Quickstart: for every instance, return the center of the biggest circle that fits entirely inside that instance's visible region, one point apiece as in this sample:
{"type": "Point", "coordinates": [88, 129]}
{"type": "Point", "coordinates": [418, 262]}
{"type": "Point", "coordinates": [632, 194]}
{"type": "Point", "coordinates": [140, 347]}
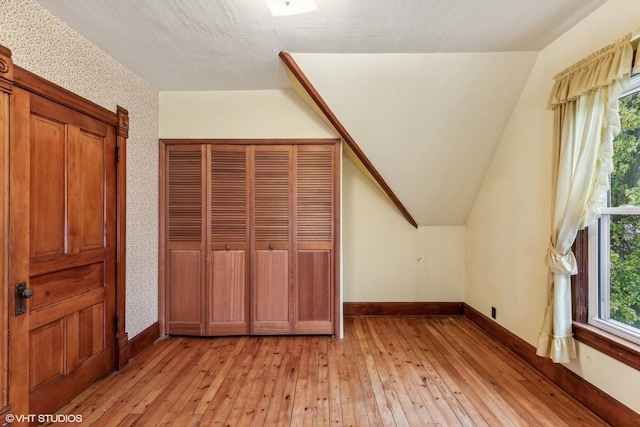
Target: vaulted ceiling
{"type": "Point", "coordinates": [425, 87]}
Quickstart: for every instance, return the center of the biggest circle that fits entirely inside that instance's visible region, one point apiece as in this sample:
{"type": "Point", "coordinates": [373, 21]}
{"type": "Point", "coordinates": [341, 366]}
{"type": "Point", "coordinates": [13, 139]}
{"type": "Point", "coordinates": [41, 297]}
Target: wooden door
{"type": "Point", "coordinates": [185, 269]}
{"type": "Point", "coordinates": [228, 296]}
{"type": "Point", "coordinates": [315, 201]}
{"type": "Point", "coordinates": [249, 237]}
{"type": "Point", "coordinates": [271, 285]}
{"type": "Point", "coordinates": [63, 248]}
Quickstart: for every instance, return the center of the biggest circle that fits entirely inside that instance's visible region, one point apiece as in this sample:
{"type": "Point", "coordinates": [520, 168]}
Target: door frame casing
{"type": "Point", "coordinates": [15, 269]}
{"type": "Point", "coordinates": [6, 88]}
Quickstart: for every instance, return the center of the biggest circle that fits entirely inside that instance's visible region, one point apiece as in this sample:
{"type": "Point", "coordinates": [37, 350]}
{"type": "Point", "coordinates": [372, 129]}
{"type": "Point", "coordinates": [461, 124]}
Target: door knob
{"type": "Point", "coordinates": [22, 294]}
{"type": "Point", "coordinates": [271, 246]}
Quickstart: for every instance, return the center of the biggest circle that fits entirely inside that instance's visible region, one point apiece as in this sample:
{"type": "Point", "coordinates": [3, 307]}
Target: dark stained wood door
{"type": "Point", "coordinates": [63, 247]}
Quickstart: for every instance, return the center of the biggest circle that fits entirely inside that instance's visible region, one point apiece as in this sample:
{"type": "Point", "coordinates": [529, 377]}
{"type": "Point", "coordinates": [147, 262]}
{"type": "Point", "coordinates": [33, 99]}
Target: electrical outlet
{"type": "Point", "coordinates": [493, 312]}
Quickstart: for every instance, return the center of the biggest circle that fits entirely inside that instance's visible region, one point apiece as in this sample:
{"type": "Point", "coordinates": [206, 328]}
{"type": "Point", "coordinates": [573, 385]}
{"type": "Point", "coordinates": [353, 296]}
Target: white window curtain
{"type": "Point", "coordinates": [585, 103]}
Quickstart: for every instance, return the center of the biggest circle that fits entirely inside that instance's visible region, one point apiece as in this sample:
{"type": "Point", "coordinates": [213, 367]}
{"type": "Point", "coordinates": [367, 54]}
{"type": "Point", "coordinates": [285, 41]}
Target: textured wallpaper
{"type": "Point", "coordinates": [46, 46]}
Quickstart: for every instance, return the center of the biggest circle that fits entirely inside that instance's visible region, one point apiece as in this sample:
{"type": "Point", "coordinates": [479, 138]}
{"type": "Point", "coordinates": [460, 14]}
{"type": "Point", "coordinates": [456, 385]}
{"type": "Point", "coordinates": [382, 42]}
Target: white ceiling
{"type": "Point", "coordinates": [233, 44]}
{"type": "Point", "coordinates": [409, 79]}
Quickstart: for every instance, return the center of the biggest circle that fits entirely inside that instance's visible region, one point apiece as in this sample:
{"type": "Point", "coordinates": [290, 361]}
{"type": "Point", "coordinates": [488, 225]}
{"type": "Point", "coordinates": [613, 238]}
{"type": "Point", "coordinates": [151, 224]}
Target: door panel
{"type": "Point", "coordinates": [272, 194]}
{"type": "Point", "coordinates": [271, 287]}
{"type": "Point", "coordinates": [184, 291]}
{"type": "Point", "coordinates": [90, 333]}
{"type": "Point", "coordinates": [48, 198]}
{"type": "Point", "coordinates": [314, 297]}
{"type": "Point", "coordinates": [61, 204]}
{"type": "Point", "coordinates": [44, 346]}
{"type": "Point", "coordinates": [229, 206]}
{"type": "Point", "coordinates": [227, 294]}
{"type": "Point", "coordinates": [271, 292]}
{"type": "Point", "coordinates": [315, 199]}
{"type": "Point", "coordinates": [90, 173]}
{"type": "Point", "coordinates": [185, 311]}
{"type": "Point", "coordinates": [229, 213]}
{"type": "Point", "coordinates": [185, 194]}
{"type": "Point", "coordinates": [60, 286]}
{"type": "Point", "coordinates": [314, 193]}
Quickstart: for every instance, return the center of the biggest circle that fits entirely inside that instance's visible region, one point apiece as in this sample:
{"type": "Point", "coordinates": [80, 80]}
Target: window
{"type": "Point", "coordinates": [614, 240]}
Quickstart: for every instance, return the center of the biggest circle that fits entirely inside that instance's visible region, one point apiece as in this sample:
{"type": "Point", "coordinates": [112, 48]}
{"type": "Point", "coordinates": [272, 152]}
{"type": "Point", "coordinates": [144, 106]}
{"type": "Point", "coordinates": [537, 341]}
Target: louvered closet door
{"type": "Point", "coordinates": [228, 302]}
{"type": "Point", "coordinates": [271, 292]}
{"type": "Point", "coordinates": [185, 244]}
{"type": "Point", "coordinates": [314, 234]}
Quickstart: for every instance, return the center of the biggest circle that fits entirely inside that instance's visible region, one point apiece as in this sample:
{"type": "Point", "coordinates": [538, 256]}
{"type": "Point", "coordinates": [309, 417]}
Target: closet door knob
{"type": "Point", "coordinates": [271, 246]}
{"type": "Point", "coordinates": [227, 248]}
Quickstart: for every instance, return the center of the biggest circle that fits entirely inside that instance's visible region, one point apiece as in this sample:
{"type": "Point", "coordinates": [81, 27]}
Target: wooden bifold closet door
{"type": "Point", "coordinates": [271, 290]}
{"type": "Point", "coordinates": [250, 238]}
{"type": "Point", "coordinates": [314, 238]}
{"type": "Point", "coordinates": [228, 204]}
{"type": "Point", "coordinates": [185, 269]}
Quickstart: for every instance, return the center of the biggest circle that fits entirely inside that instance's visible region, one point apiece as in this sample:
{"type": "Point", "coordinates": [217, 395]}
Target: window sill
{"type": "Point", "coordinates": [609, 344]}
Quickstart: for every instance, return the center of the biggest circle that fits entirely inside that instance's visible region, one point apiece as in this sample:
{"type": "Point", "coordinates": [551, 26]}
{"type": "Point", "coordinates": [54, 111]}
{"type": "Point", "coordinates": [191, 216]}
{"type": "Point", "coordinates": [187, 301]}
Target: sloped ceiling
{"type": "Point", "coordinates": [428, 122]}
{"type": "Point", "coordinates": [425, 87]}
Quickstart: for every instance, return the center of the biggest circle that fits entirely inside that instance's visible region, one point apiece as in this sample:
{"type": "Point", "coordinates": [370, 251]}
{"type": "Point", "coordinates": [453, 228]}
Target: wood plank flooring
{"type": "Point", "coordinates": [407, 371]}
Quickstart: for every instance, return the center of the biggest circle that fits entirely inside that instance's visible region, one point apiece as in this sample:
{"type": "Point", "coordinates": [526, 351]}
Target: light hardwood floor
{"type": "Point", "coordinates": [411, 371]}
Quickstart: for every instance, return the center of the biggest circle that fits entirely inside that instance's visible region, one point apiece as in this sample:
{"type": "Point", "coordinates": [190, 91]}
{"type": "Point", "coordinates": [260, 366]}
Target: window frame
{"type": "Point", "coordinates": [588, 327]}
{"type": "Point", "coordinates": [599, 274]}
{"type": "Point", "coordinates": [612, 345]}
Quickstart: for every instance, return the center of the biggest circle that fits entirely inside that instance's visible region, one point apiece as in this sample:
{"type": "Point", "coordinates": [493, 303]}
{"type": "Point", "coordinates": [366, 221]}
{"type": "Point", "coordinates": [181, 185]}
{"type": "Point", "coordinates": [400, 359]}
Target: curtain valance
{"type": "Point", "coordinates": [597, 70]}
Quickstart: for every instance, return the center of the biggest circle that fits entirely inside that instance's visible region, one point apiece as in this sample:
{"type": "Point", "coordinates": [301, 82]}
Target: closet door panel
{"type": "Point", "coordinates": [184, 292]}
{"type": "Point", "coordinates": [314, 194]}
{"type": "Point", "coordinates": [229, 195]}
{"type": "Point", "coordinates": [314, 236]}
{"type": "Point", "coordinates": [185, 247]}
{"type": "Point", "coordinates": [228, 296]}
{"type": "Point", "coordinates": [314, 295]}
{"type": "Point", "coordinates": [271, 287]}
{"type": "Point", "coordinates": [228, 303]}
{"type": "Point", "coordinates": [272, 194]}
{"type": "Point", "coordinates": [271, 292]}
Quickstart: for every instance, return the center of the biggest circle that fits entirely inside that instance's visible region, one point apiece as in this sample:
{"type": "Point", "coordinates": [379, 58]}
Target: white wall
{"type": "Point", "coordinates": [238, 114]}
{"type": "Point", "coordinates": [509, 225]}
{"type": "Point", "coordinates": [441, 263]}
{"type": "Point", "coordinates": [46, 46]}
{"type": "Point", "coordinates": [386, 259]}
{"type": "Point", "coordinates": [380, 248]}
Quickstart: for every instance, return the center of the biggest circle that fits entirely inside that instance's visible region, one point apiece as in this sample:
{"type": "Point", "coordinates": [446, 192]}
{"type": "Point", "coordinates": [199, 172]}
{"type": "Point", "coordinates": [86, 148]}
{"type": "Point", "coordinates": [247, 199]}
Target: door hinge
{"type": "Point", "coordinates": [117, 323]}
{"type": "Point", "coordinates": [117, 154]}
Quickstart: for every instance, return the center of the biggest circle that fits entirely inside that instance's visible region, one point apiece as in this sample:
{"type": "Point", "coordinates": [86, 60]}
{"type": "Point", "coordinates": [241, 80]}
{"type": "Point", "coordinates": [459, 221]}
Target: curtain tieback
{"type": "Point", "coordinates": [561, 263]}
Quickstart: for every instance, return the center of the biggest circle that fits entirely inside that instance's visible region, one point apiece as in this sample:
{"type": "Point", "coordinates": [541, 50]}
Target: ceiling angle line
{"type": "Point", "coordinates": [293, 67]}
